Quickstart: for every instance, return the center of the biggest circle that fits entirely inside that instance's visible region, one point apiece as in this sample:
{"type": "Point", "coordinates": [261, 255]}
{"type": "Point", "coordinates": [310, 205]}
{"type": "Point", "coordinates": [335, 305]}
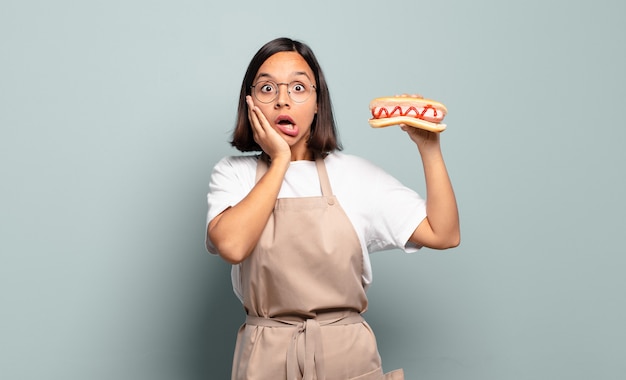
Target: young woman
{"type": "Point", "coordinates": [299, 220]}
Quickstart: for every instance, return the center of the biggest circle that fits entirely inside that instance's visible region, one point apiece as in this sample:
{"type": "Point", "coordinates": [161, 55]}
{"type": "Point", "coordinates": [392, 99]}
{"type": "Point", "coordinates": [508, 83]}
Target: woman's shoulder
{"type": "Point", "coordinates": [237, 162]}
{"type": "Point", "coordinates": [240, 169]}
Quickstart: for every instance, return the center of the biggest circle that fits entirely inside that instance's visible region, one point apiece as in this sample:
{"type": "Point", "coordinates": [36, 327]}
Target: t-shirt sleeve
{"type": "Point", "coordinates": [396, 213]}
{"type": "Point", "coordinates": [230, 181]}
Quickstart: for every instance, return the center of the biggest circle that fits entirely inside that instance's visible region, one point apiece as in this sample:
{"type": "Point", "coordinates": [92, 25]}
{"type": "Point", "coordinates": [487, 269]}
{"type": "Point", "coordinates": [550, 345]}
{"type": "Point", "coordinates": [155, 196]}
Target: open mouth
{"type": "Point", "coordinates": [286, 125]}
{"type": "Point", "coordinates": [284, 120]}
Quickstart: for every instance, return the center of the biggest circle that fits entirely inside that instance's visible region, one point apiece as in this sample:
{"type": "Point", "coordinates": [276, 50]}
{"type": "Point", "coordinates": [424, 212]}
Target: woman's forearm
{"type": "Point", "coordinates": [441, 229]}
{"type": "Point", "coordinates": [236, 231]}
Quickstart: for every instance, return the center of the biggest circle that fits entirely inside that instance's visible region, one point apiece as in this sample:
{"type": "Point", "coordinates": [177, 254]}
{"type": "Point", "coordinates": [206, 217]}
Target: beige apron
{"type": "Point", "coordinates": [303, 294]}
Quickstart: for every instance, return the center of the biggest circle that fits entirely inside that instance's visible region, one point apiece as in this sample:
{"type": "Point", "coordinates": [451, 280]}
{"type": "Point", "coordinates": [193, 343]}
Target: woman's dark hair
{"type": "Point", "coordinates": [323, 138]}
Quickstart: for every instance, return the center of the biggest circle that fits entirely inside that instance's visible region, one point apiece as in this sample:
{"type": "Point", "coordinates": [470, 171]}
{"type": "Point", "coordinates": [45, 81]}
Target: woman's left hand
{"type": "Point", "coordinates": [421, 137]}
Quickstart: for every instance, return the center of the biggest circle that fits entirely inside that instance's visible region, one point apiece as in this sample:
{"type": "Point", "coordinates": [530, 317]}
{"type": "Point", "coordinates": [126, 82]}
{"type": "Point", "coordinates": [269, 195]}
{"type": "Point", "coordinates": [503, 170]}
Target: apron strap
{"type": "Point", "coordinates": [323, 174]}
{"type": "Point", "coordinates": [261, 168]}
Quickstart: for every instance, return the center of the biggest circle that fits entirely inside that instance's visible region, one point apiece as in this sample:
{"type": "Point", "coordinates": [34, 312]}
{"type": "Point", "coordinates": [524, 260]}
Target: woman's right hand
{"type": "Point", "coordinates": [236, 231]}
{"type": "Point", "coordinates": [268, 139]}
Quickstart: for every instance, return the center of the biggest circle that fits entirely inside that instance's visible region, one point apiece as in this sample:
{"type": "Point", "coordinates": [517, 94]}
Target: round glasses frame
{"type": "Point", "coordinates": [276, 87]}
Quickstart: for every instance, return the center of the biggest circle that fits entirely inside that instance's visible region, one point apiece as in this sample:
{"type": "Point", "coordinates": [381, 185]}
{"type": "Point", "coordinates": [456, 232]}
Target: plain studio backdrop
{"type": "Point", "coordinates": [113, 113]}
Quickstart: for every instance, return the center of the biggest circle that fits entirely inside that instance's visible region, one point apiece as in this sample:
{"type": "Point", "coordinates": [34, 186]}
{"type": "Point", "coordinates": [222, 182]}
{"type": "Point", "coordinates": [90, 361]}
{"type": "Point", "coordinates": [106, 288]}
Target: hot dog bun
{"type": "Point", "coordinates": [415, 111]}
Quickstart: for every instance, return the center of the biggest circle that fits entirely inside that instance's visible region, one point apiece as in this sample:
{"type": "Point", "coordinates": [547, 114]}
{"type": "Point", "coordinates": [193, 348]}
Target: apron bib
{"type": "Point", "coordinates": [303, 295]}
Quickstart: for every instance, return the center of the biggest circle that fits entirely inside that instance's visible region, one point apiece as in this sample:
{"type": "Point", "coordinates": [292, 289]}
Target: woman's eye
{"type": "Point", "coordinates": [267, 88]}
{"type": "Point", "coordinates": [298, 87]}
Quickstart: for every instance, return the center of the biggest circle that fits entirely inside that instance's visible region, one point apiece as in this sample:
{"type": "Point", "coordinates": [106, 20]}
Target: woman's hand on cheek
{"type": "Point", "coordinates": [268, 139]}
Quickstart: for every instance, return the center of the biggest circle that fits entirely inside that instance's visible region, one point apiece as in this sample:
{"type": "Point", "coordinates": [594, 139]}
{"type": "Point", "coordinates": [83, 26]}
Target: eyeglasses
{"type": "Point", "coordinates": [267, 91]}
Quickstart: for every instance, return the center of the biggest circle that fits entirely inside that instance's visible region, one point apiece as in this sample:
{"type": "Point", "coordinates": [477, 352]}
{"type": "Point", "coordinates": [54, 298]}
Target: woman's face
{"type": "Point", "coordinates": [288, 71]}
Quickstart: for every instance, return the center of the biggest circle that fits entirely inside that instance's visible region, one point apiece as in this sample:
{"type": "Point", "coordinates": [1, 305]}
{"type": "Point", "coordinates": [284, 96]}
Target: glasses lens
{"type": "Point", "coordinates": [299, 92]}
{"type": "Point", "coordinates": [267, 91]}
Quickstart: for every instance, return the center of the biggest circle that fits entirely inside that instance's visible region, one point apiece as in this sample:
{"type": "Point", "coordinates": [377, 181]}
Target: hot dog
{"type": "Point", "coordinates": [415, 111]}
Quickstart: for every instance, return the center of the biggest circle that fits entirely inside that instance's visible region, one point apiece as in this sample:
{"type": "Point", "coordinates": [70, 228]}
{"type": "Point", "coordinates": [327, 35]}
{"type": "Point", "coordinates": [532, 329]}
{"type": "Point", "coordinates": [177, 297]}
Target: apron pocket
{"type": "Point", "coordinates": [377, 374]}
{"type": "Point", "coordinates": [398, 374]}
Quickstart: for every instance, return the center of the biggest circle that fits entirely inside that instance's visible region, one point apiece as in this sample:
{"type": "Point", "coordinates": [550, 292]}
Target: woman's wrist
{"type": "Point", "coordinates": [281, 161]}
{"type": "Point", "coordinates": [429, 149]}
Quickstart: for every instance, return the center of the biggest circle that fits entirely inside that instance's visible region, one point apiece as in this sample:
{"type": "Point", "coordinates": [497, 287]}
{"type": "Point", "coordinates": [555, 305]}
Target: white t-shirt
{"type": "Point", "coordinates": [384, 212]}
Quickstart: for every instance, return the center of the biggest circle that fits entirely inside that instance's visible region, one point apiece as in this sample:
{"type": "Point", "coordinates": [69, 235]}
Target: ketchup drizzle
{"type": "Point", "coordinates": [398, 109]}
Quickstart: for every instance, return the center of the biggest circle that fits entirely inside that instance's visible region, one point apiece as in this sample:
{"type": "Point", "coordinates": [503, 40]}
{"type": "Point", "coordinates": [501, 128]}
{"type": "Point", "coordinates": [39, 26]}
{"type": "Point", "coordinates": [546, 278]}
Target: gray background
{"type": "Point", "coordinates": [113, 113]}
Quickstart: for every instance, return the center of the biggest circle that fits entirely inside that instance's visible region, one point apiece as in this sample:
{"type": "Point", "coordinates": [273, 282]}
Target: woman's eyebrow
{"type": "Point", "coordinates": [295, 74]}
{"type": "Point", "coordinates": [264, 75]}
